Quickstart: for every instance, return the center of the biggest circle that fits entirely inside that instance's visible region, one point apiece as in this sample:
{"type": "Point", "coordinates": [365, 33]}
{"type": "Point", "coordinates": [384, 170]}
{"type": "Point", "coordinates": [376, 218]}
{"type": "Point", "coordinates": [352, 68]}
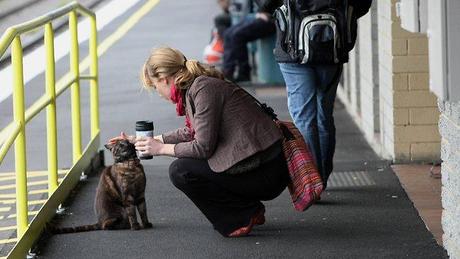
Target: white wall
{"type": "Point", "coordinates": [449, 127]}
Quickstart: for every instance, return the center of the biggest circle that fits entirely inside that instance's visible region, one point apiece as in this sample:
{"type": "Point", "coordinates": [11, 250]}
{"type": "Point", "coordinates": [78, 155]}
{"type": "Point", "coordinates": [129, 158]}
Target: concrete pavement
{"type": "Point", "coordinates": [364, 214]}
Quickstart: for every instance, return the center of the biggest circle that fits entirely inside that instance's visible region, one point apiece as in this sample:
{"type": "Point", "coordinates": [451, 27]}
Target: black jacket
{"type": "Point", "coordinates": [359, 7]}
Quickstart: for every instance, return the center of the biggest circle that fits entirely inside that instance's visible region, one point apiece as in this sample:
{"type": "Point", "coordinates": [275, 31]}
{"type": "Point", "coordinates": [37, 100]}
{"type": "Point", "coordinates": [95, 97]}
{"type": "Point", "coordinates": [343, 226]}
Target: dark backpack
{"type": "Point", "coordinates": [317, 31]}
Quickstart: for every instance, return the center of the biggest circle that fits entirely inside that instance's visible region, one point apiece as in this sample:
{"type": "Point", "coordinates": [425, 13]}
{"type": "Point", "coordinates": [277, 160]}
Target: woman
{"type": "Point", "coordinates": [229, 153]}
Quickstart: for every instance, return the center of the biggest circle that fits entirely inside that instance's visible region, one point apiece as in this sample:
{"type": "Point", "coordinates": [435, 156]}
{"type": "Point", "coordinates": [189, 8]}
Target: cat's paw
{"type": "Point", "coordinates": [147, 225]}
{"type": "Point", "coordinates": [135, 226]}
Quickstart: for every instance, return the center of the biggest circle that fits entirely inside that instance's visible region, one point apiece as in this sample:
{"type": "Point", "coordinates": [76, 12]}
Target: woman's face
{"type": "Point", "coordinates": [162, 85]}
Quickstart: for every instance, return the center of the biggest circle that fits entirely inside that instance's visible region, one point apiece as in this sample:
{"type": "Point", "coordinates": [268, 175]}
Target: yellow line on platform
{"type": "Point", "coordinates": [4, 209]}
{"type": "Point", "coordinates": [13, 201]}
{"type": "Point", "coordinates": [9, 201]}
{"type": "Point", "coordinates": [30, 183]}
{"type": "Point", "coordinates": [125, 27]}
{"type": "Point", "coordinates": [13, 195]}
{"type": "Point", "coordinates": [31, 213]}
{"type": "Point", "coordinates": [6, 241]}
{"type": "Point", "coordinates": [13, 186]}
{"type": "Point", "coordinates": [8, 228]}
{"type": "Point", "coordinates": [12, 176]}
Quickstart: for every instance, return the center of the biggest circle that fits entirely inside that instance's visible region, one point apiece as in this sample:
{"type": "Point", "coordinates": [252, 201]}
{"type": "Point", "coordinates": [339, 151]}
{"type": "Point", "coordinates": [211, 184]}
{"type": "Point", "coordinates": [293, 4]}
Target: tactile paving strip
{"type": "Point", "coordinates": [350, 179]}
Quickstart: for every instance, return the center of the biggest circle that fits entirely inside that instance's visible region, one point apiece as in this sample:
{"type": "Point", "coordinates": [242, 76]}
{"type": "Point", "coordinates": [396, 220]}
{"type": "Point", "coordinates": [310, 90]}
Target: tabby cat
{"type": "Point", "coordinates": [121, 189]}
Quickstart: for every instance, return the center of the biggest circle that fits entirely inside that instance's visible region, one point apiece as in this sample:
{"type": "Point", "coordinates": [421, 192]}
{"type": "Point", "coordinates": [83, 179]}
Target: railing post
{"type": "Point", "coordinates": [75, 70]}
{"type": "Point", "coordinates": [94, 84]}
{"type": "Point", "coordinates": [20, 143]}
{"type": "Point", "coordinates": [51, 110]}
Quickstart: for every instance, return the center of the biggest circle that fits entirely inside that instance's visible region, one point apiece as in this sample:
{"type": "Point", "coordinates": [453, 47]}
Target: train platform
{"type": "Point", "coordinates": [364, 213]}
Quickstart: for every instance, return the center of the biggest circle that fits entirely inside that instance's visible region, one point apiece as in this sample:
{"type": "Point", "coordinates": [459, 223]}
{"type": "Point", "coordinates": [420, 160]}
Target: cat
{"type": "Point", "coordinates": [121, 189]}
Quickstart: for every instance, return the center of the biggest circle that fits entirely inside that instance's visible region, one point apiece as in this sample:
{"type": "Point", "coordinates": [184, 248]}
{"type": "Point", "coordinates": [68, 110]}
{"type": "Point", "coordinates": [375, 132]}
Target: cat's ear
{"type": "Point", "coordinates": [109, 146]}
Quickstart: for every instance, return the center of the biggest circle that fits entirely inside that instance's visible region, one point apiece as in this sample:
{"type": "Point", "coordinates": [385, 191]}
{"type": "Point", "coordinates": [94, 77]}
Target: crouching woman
{"type": "Point", "coordinates": [229, 154]}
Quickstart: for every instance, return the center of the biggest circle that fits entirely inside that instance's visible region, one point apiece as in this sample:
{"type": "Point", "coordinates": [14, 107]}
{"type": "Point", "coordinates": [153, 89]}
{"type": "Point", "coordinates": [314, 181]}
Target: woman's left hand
{"type": "Point", "coordinates": [122, 136]}
{"type": "Point", "coordinates": [149, 146]}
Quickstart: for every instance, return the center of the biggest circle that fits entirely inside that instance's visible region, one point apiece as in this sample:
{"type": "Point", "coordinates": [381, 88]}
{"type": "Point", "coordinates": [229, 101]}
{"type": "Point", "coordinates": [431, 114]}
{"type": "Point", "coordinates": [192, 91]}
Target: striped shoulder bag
{"type": "Point", "coordinates": [306, 184]}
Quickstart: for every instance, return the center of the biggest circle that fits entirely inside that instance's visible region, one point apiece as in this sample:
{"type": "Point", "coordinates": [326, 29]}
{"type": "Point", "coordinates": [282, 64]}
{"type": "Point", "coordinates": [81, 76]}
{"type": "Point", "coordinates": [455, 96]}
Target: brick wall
{"type": "Point", "coordinates": [449, 127]}
{"type": "Point", "coordinates": [415, 107]}
{"type": "Point", "coordinates": [396, 80]}
{"type": "Point", "coordinates": [406, 120]}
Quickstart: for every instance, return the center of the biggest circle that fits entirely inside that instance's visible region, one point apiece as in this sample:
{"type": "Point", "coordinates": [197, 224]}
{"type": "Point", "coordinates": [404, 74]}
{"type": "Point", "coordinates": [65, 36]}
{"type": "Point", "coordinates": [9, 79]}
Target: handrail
{"type": "Point", "coordinates": [33, 110]}
{"type": "Point", "coordinates": [27, 232]}
{"type": "Point", "coordinates": [13, 133]}
{"type": "Point", "coordinates": [18, 29]}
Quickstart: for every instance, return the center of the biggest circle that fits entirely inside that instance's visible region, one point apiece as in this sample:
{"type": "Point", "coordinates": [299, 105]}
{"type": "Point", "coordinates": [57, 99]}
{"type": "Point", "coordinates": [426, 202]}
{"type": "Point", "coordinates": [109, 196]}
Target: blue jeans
{"type": "Point", "coordinates": [311, 93]}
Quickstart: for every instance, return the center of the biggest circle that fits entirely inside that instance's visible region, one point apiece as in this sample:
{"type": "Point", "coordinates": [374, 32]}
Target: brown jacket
{"type": "Point", "coordinates": [229, 126]}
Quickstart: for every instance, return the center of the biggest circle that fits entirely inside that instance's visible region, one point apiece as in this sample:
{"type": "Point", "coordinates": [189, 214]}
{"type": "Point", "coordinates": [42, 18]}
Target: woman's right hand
{"type": "Point", "coordinates": [159, 138]}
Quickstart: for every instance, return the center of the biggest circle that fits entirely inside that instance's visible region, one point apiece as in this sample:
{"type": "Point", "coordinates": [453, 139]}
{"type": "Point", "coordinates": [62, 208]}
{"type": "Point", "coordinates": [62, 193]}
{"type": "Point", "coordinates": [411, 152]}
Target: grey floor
{"type": "Point", "coordinates": [364, 214]}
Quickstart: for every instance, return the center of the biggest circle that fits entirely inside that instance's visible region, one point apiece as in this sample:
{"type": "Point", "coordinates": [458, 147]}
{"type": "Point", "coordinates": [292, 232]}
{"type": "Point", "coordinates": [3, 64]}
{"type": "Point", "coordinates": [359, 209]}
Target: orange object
{"type": "Point", "coordinates": [214, 51]}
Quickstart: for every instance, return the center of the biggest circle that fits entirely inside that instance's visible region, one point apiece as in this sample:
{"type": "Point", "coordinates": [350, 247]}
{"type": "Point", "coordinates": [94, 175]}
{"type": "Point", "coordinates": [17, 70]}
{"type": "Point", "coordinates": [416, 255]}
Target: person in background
{"type": "Point", "coordinates": [214, 51]}
{"type": "Point", "coordinates": [236, 38]}
{"type": "Point", "coordinates": [223, 21]}
{"type": "Point", "coordinates": [311, 88]}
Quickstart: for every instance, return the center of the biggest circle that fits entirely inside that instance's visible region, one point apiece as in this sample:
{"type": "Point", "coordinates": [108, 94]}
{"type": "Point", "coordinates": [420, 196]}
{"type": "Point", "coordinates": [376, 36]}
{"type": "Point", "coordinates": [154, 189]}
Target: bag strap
{"type": "Point", "coordinates": [288, 135]}
{"type": "Point", "coordinates": [267, 109]}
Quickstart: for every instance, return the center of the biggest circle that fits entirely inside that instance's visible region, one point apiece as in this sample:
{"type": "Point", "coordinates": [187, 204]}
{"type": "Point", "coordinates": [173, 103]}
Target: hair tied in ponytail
{"type": "Point", "coordinates": [166, 61]}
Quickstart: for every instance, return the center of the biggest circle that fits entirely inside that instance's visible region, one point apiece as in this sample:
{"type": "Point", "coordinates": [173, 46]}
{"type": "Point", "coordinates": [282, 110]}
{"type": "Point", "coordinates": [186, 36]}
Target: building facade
{"type": "Point", "coordinates": [385, 87]}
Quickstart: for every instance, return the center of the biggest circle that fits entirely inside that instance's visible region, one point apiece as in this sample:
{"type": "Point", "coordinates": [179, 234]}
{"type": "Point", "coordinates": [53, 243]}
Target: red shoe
{"type": "Point", "coordinates": [257, 219]}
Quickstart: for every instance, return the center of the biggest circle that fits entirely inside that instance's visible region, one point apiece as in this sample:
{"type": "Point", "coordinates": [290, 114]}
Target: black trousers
{"type": "Point", "coordinates": [235, 44]}
{"type": "Point", "coordinates": [229, 201]}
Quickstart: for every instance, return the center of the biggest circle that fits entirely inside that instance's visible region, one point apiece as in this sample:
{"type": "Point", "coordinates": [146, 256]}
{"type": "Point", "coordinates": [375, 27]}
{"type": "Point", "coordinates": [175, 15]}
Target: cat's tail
{"type": "Point", "coordinates": [66, 230]}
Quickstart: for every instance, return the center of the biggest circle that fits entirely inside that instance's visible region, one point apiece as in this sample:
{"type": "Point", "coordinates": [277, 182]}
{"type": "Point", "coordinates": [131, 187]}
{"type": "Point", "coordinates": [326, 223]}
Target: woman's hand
{"type": "Point", "coordinates": [148, 146]}
{"type": "Point", "coordinates": [131, 139]}
{"type": "Point", "coordinates": [159, 138]}
{"type": "Point", "coordinates": [153, 147]}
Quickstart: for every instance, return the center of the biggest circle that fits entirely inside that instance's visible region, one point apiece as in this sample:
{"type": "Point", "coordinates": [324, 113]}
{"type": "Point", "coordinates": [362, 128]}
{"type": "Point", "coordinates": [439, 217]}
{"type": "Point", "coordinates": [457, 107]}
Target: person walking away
{"type": "Point", "coordinates": [313, 41]}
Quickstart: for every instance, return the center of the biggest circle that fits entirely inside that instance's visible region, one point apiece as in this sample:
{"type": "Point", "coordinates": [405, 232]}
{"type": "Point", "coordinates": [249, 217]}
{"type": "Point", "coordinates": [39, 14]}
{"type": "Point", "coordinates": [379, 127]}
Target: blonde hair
{"type": "Point", "coordinates": [166, 62]}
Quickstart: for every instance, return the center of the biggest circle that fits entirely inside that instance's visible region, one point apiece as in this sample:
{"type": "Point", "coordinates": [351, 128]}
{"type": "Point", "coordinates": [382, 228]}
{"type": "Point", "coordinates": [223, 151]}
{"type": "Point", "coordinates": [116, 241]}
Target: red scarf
{"type": "Point", "coordinates": [177, 98]}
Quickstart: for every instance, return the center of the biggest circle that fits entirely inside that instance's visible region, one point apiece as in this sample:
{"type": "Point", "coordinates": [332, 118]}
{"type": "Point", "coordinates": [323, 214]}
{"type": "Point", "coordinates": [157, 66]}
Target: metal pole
{"type": "Point", "coordinates": [74, 68]}
{"type": "Point", "coordinates": [51, 110]}
{"type": "Point", "coordinates": [94, 83]}
{"type": "Point", "coordinates": [20, 143]}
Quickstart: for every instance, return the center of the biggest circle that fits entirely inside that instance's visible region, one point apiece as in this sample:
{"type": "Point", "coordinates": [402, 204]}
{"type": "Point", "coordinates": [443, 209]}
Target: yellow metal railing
{"type": "Point", "coordinates": [15, 132]}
